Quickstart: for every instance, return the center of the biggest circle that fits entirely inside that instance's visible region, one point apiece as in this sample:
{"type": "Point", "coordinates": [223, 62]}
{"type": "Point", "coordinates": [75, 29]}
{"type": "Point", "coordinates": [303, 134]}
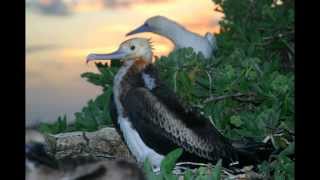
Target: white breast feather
{"type": "Point", "coordinates": [138, 148]}
{"type": "Point", "coordinates": [148, 81]}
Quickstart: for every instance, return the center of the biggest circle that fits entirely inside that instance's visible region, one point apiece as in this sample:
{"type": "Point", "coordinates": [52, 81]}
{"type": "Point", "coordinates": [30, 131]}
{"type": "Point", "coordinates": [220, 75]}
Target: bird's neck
{"type": "Point", "coordinates": [131, 68]}
{"type": "Point", "coordinates": [129, 71]}
{"type": "Point", "coordinates": [139, 65]}
{"type": "Point", "coordinates": [127, 78]}
{"type": "Point", "coordinates": [175, 33]}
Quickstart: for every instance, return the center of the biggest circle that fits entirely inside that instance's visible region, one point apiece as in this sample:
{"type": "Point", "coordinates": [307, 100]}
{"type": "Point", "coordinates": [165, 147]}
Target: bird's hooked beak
{"type": "Point", "coordinates": [117, 55]}
{"type": "Point", "coordinates": [144, 28]}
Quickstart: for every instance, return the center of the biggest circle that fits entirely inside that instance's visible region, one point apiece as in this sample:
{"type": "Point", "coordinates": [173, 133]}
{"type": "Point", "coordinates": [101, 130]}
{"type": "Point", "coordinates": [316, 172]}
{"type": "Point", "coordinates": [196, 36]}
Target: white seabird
{"type": "Point", "coordinates": [179, 35]}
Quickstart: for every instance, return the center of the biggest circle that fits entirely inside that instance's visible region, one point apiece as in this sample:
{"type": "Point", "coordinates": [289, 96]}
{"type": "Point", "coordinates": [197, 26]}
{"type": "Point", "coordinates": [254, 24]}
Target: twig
{"type": "Point", "coordinates": [244, 173]}
{"type": "Point", "coordinates": [192, 163]}
{"type": "Point", "coordinates": [218, 9]}
{"type": "Point", "coordinates": [211, 99]}
{"type": "Point", "coordinates": [211, 120]}
{"type": "Point", "coordinates": [175, 81]}
{"type": "Point", "coordinates": [290, 48]}
{"type": "Point", "coordinates": [210, 82]}
{"type": "Point", "coordinates": [179, 166]}
{"type": "Point", "coordinates": [203, 85]}
{"type": "Point", "coordinates": [249, 99]}
{"type": "Point", "coordinates": [106, 156]}
{"type": "Point", "coordinates": [281, 130]}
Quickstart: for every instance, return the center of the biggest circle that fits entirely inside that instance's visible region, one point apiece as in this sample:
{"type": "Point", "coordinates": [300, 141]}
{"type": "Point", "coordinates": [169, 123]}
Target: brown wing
{"type": "Point", "coordinates": [164, 124]}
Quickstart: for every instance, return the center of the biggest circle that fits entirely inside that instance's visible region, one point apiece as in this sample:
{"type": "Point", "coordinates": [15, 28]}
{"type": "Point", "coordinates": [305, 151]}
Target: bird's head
{"type": "Point", "coordinates": [156, 24]}
{"type": "Point", "coordinates": [131, 49]}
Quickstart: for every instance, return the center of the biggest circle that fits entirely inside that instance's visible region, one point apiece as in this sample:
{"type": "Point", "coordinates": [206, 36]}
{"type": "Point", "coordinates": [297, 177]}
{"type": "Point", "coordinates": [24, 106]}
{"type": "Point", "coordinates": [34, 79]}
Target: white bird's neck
{"type": "Point", "coordinates": [176, 34]}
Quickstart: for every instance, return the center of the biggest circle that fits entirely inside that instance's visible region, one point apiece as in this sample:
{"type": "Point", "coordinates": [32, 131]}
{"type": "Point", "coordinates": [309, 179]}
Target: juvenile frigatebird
{"type": "Point", "coordinates": [179, 35]}
{"type": "Point", "coordinates": [153, 120]}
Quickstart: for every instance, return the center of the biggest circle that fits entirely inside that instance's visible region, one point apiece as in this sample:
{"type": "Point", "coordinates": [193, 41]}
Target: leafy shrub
{"type": "Point", "coordinates": [247, 90]}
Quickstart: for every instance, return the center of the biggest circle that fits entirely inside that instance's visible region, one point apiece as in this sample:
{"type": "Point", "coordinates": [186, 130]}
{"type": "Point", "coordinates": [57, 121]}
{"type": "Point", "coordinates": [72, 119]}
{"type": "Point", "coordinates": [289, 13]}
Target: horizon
{"type": "Point", "coordinates": [61, 33]}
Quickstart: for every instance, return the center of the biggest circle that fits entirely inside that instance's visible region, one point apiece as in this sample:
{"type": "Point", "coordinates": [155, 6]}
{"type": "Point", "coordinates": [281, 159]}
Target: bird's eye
{"type": "Point", "coordinates": [132, 47]}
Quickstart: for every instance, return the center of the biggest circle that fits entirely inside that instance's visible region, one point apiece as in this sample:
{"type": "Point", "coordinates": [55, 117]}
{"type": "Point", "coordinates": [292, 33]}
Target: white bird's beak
{"type": "Point", "coordinates": [117, 55]}
{"type": "Point", "coordinates": [141, 29]}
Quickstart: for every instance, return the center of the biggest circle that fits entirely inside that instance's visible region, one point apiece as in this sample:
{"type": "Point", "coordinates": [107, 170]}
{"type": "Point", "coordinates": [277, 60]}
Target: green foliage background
{"type": "Point", "coordinates": [247, 90]}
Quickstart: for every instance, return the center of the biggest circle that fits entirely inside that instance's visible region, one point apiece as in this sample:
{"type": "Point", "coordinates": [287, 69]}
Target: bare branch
{"type": "Point", "coordinates": [211, 99]}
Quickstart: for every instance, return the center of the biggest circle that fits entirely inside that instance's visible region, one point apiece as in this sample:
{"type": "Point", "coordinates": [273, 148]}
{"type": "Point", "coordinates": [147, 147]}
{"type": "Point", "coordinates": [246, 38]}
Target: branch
{"type": "Point", "coordinates": [105, 143]}
{"type": "Point", "coordinates": [212, 99]}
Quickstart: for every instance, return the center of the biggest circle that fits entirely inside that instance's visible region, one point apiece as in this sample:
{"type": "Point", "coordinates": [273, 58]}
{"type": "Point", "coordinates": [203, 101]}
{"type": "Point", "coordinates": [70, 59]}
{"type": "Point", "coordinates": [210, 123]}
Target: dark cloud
{"type": "Point", "coordinates": [63, 8]}
{"type": "Point", "coordinates": [49, 7]}
{"type": "Point", "coordinates": [116, 3]}
{"type": "Point", "coordinates": [37, 48]}
{"type": "Point", "coordinates": [126, 3]}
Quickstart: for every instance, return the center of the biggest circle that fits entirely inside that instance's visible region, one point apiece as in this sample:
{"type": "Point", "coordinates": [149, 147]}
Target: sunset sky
{"type": "Point", "coordinates": [61, 33]}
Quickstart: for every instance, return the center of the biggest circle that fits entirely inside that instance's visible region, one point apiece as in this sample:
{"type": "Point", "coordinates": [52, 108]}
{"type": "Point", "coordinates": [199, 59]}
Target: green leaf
{"type": "Point", "coordinates": [236, 120]}
{"type": "Point", "coordinates": [252, 57]}
{"type": "Point", "coordinates": [280, 177]}
{"type": "Point", "coordinates": [54, 128]}
{"type": "Point", "coordinates": [280, 83]}
{"type": "Point", "coordinates": [168, 163]}
{"type": "Point", "coordinates": [188, 175]}
{"type": "Point", "coordinates": [147, 168]}
{"type": "Point", "coordinates": [216, 173]}
{"type": "Point", "coordinates": [289, 150]}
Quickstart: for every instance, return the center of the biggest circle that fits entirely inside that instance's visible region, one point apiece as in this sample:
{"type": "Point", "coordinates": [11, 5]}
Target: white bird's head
{"type": "Point", "coordinates": [157, 24]}
{"type": "Point", "coordinates": [131, 49]}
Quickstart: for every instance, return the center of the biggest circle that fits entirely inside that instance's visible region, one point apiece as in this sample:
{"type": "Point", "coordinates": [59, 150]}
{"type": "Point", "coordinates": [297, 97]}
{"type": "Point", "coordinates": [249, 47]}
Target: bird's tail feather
{"type": "Point", "coordinates": [251, 152]}
{"type": "Point", "coordinates": [36, 154]}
